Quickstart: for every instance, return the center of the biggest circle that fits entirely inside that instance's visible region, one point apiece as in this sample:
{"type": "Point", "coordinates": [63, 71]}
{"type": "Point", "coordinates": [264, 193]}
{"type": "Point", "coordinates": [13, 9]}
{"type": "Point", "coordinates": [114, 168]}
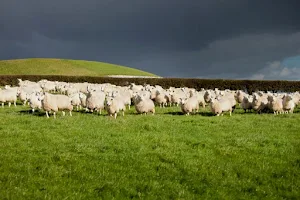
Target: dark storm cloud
{"type": "Point", "coordinates": [209, 38]}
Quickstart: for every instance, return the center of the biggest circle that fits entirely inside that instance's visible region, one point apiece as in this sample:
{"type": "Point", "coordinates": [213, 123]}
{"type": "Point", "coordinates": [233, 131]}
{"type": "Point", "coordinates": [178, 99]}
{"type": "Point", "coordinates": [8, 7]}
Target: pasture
{"type": "Point", "coordinates": [47, 66]}
{"type": "Point", "coordinates": [165, 156]}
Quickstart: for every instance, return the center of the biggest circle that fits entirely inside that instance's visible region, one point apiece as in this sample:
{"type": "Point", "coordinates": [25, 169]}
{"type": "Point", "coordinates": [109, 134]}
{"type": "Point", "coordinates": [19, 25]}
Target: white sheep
{"type": "Point", "coordinates": [288, 104]}
{"type": "Point", "coordinates": [75, 100]}
{"type": "Point", "coordinates": [114, 106]}
{"type": "Point", "coordinates": [161, 98]}
{"type": "Point", "coordinates": [95, 101]}
{"type": "Point", "coordinates": [144, 104]}
{"type": "Point", "coordinates": [55, 102]}
{"type": "Point", "coordinates": [247, 103]}
{"type": "Point", "coordinates": [8, 95]}
{"type": "Point", "coordinates": [82, 98]}
{"type": "Point", "coordinates": [220, 105]}
{"type": "Point", "coordinates": [275, 104]}
{"type": "Point", "coordinates": [259, 102]}
{"type": "Point", "coordinates": [34, 100]}
{"type": "Point", "coordinates": [189, 105]}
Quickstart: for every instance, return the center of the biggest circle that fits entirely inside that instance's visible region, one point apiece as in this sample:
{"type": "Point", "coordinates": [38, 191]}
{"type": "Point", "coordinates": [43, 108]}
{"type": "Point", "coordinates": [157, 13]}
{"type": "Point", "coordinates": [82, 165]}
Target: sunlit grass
{"type": "Point", "coordinates": [165, 156]}
{"type": "Point", "coordinates": [46, 66]}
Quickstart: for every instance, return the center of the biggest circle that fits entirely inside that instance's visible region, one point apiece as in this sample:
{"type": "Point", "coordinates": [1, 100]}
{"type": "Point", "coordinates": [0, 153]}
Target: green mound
{"type": "Point", "coordinates": [42, 66]}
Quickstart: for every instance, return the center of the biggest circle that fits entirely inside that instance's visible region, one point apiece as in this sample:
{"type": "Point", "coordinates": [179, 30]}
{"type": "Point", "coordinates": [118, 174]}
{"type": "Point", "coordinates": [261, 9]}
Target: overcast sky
{"type": "Point", "coordinates": [235, 39]}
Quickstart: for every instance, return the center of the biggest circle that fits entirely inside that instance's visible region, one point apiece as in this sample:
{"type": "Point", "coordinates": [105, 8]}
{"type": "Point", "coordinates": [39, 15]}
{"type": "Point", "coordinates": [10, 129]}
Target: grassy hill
{"type": "Point", "coordinates": [42, 66]}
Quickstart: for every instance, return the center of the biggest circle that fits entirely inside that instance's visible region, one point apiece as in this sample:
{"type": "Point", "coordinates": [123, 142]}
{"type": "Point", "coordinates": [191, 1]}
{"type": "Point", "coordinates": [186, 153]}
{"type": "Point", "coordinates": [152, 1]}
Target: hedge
{"type": "Point", "coordinates": [248, 85]}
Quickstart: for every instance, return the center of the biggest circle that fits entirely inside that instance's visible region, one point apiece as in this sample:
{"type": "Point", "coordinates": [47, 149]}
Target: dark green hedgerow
{"type": "Point", "coordinates": [249, 85]}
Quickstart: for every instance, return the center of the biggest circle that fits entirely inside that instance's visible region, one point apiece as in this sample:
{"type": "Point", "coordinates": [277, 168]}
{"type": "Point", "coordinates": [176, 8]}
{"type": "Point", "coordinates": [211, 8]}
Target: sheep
{"type": "Point", "coordinates": [144, 104]}
{"type": "Point", "coordinates": [176, 95]}
{"type": "Point", "coordinates": [275, 104]}
{"type": "Point", "coordinates": [160, 98]}
{"type": "Point", "coordinates": [240, 96]}
{"type": "Point", "coordinates": [114, 106]}
{"type": "Point", "coordinates": [95, 101]}
{"type": "Point", "coordinates": [208, 95]}
{"type": "Point", "coordinates": [200, 98]}
{"type": "Point", "coordinates": [55, 102]}
{"type": "Point", "coordinates": [288, 104]}
{"type": "Point", "coordinates": [75, 100]}
{"type": "Point", "coordinates": [71, 90]}
{"type": "Point", "coordinates": [8, 95]}
{"type": "Point", "coordinates": [34, 101]}
{"type": "Point", "coordinates": [220, 105]}
{"type": "Point", "coordinates": [124, 95]}
{"type": "Point", "coordinates": [24, 90]}
{"type": "Point", "coordinates": [247, 103]}
{"type": "Point", "coordinates": [259, 103]}
{"type": "Point", "coordinates": [189, 105]}
{"type": "Point", "coordinates": [48, 86]}
{"type": "Point", "coordinates": [82, 98]}
{"type": "Point", "coordinates": [136, 95]}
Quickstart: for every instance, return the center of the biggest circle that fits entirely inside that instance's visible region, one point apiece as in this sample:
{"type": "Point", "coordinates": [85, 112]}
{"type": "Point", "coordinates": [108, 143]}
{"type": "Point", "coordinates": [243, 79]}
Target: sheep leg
{"type": "Point", "coordinates": [115, 115]}
{"type": "Point", "coordinates": [77, 107]}
{"type": "Point", "coordinates": [47, 114]}
{"type": "Point", "coordinates": [100, 111]}
{"type": "Point", "coordinates": [63, 112]}
{"type": "Point", "coordinates": [2, 105]}
{"type": "Point", "coordinates": [70, 113]}
{"type": "Point", "coordinates": [9, 104]}
{"type": "Point", "coordinates": [128, 107]}
{"type": "Point", "coordinates": [15, 104]}
{"type": "Point", "coordinates": [123, 113]}
{"type": "Point", "coordinates": [32, 110]}
{"type": "Point", "coordinates": [54, 115]}
{"type": "Point", "coordinates": [230, 113]}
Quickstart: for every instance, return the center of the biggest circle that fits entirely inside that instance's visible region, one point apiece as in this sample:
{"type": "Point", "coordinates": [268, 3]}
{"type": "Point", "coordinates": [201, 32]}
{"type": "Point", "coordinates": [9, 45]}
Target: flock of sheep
{"type": "Point", "coordinates": [54, 96]}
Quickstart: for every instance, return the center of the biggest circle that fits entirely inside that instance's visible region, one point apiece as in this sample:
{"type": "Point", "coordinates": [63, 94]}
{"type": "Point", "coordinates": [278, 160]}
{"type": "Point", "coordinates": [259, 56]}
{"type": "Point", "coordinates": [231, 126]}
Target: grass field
{"type": "Point", "coordinates": [44, 66]}
{"type": "Point", "coordinates": [166, 156]}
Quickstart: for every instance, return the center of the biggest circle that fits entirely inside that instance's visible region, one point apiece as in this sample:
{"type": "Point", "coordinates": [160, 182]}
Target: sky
{"type": "Point", "coordinates": [227, 39]}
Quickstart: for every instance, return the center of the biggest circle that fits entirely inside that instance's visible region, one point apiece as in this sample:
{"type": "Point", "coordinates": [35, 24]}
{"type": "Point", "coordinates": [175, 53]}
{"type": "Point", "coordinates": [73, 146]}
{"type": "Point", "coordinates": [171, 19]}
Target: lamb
{"type": "Point", "coordinates": [55, 102]}
{"type": "Point", "coordinates": [144, 104]}
{"type": "Point", "coordinates": [220, 105]}
{"type": "Point", "coordinates": [189, 105]}
{"type": "Point", "coordinates": [114, 106]}
{"type": "Point", "coordinates": [288, 104]}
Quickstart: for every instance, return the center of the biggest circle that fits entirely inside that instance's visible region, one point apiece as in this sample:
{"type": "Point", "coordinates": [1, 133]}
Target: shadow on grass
{"type": "Point", "coordinates": [207, 114]}
{"type": "Point", "coordinates": [35, 113]}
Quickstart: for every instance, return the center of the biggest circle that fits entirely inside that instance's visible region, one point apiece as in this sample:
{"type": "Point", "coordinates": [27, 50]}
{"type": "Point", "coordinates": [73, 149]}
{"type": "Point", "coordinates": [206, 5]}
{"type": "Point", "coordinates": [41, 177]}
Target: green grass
{"type": "Point", "coordinates": [43, 66]}
{"type": "Point", "coordinates": [165, 156]}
